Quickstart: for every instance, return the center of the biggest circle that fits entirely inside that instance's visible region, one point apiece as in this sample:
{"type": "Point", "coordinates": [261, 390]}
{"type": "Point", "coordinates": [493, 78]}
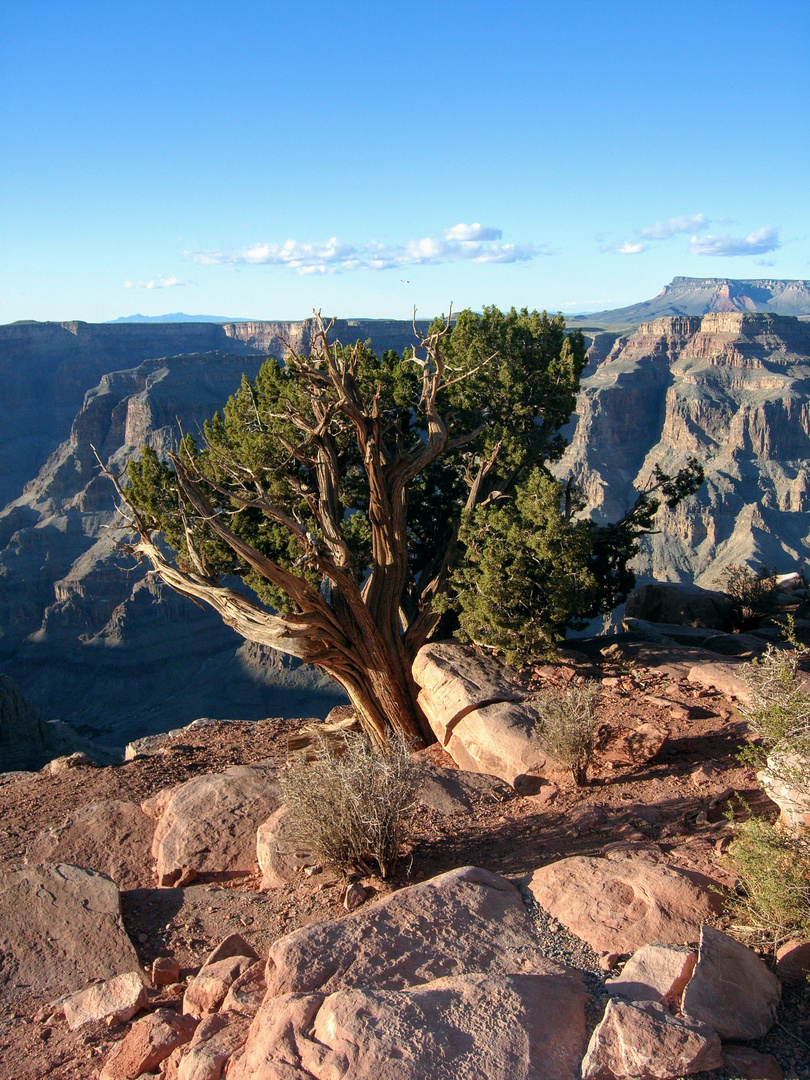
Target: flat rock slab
{"type": "Point", "coordinates": [723, 676]}
{"type": "Point", "coordinates": [731, 989]}
{"type": "Point", "coordinates": [208, 825]}
{"type": "Point", "coordinates": [116, 1000]}
{"type": "Point", "coordinates": [466, 920]}
{"type": "Point", "coordinates": [61, 928]}
{"type": "Point", "coordinates": [452, 791]}
{"type": "Point", "coordinates": [113, 837]}
{"type": "Point", "coordinates": [465, 1027]}
{"type": "Point", "coordinates": [646, 1043]}
{"type": "Point", "coordinates": [620, 905]}
{"type": "Point", "coordinates": [282, 856]}
{"type": "Point", "coordinates": [655, 973]}
{"type": "Point", "coordinates": [148, 1042]}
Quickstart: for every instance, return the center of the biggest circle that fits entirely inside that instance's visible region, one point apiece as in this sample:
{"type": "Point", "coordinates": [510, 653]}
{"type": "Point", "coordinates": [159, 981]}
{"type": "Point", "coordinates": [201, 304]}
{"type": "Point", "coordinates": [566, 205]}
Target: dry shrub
{"type": "Point", "coordinates": [569, 724]}
{"type": "Point", "coordinates": [351, 802]}
{"type": "Point", "coordinates": [753, 594]}
{"type": "Point", "coordinates": [772, 900]}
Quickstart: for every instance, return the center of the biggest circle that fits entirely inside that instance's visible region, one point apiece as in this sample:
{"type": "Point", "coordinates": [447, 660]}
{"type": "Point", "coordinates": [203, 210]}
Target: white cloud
{"type": "Point", "coordinates": [461, 243]}
{"type": "Point", "coordinates": [159, 283]}
{"type": "Point", "coordinates": [627, 247]}
{"type": "Point", "coordinates": [663, 230]}
{"type": "Point", "coordinates": [756, 243]}
{"type": "Point", "coordinates": [476, 231]}
{"type": "Point", "coordinates": [765, 262]}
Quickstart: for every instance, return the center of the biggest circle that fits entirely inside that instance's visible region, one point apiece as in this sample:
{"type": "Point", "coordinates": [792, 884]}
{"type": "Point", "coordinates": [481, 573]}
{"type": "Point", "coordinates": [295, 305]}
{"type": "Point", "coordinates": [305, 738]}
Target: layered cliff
{"type": "Point", "coordinates": [729, 388]}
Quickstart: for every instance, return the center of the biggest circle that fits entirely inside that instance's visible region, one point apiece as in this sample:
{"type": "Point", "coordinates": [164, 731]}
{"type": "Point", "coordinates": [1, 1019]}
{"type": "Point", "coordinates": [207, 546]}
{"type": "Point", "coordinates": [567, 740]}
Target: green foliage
{"type": "Point", "coordinates": [753, 594]}
{"type": "Point", "coordinates": [779, 709]}
{"type": "Point", "coordinates": [772, 902]}
{"type": "Point", "coordinates": [352, 802]}
{"type": "Point", "coordinates": [569, 724]}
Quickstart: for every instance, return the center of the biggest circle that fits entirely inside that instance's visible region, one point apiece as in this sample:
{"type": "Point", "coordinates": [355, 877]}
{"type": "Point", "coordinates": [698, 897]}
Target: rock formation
{"type": "Point", "coordinates": [729, 388]}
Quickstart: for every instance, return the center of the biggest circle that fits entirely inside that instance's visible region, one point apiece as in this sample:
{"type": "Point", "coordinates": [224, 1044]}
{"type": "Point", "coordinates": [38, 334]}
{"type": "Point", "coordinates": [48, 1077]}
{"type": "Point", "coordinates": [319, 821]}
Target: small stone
{"type": "Point", "coordinates": [355, 895]}
{"type": "Point", "coordinates": [749, 1064]}
{"type": "Point", "coordinates": [165, 971]}
{"type": "Point", "coordinates": [793, 961]}
{"type": "Point", "coordinates": [608, 961]}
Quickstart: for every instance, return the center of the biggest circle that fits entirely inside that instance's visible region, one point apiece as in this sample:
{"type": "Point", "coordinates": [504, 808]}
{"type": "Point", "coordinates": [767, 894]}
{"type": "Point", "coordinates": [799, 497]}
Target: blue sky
{"type": "Point", "coordinates": [263, 159]}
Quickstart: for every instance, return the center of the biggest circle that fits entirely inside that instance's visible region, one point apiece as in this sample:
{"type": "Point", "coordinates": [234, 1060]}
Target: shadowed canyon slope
{"type": "Point", "coordinates": [730, 389]}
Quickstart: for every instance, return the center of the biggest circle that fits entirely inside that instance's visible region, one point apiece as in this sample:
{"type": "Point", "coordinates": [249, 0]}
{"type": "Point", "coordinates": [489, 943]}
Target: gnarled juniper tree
{"type": "Point", "coordinates": [336, 486]}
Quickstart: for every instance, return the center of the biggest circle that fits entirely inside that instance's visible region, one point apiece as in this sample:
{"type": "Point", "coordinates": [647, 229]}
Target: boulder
{"type": "Point", "coordinates": [281, 855]}
{"type": "Point", "coordinates": [116, 1000]}
{"type": "Point", "coordinates": [149, 1041]}
{"type": "Point", "coordinates": [655, 973]}
{"type": "Point", "coordinates": [645, 1042]}
{"type": "Point", "coordinates": [498, 1026]}
{"type": "Point", "coordinates": [731, 989]}
{"type": "Point", "coordinates": [475, 709]}
{"type": "Point", "coordinates": [113, 837]}
{"type": "Point", "coordinates": [72, 932]}
{"type": "Point", "coordinates": [778, 783]}
{"type": "Point", "coordinates": [208, 825]}
{"type": "Point", "coordinates": [61, 765]}
{"type": "Point", "coordinates": [620, 905]}
{"type": "Point", "coordinates": [723, 676]}
{"type": "Point", "coordinates": [793, 961]}
{"type": "Point", "coordinates": [748, 1064]}
{"type": "Point", "coordinates": [681, 604]}
{"type": "Point", "coordinates": [207, 990]}
{"type": "Point", "coordinates": [453, 791]}
{"type": "Point", "coordinates": [246, 993]}
{"type": "Point", "coordinates": [216, 1039]}
{"type": "Point", "coordinates": [634, 746]}
{"type": "Point", "coordinates": [232, 945]}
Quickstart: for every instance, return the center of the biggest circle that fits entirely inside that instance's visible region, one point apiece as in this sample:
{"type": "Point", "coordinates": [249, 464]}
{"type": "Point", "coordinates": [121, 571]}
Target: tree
{"type": "Point", "coordinates": [335, 486]}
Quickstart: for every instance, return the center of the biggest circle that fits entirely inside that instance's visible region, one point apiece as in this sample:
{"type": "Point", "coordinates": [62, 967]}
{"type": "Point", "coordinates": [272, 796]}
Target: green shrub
{"type": "Point", "coordinates": [569, 725]}
{"type": "Point", "coordinates": [779, 710]}
{"type": "Point", "coordinates": [351, 802]}
{"type": "Point", "coordinates": [753, 594]}
{"type": "Point", "coordinates": [772, 901]}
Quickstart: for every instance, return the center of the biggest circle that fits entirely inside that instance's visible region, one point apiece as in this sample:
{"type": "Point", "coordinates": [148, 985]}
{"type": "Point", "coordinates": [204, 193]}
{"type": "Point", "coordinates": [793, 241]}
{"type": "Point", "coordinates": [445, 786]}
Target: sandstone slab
{"type": "Point", "coordinates": [466, 920]}
{"type": "Point", "coordinates": [723, 676]}
{"type": "Point", "coordinates": [621, 905]}
{"type": "Point", "coordinates": [657, 973]}
{"type": "Point", "coordinates": [148, 1042]}
{"type": "Point", "coordinates": [453, 791]}
{"type": "Point", "coordinates": [113, 837]}
{"type": "Point", "coordinates": [209, 824]}
{"type": "Point", "coordinates": [207, 990]}
{"type": "Point", "coordinates": [731, 989]}
{"type": "Point", "coordinates": [246, 993]}
{"type": "Point", "coordinates": [72, 932]}
{"type": "Point", "coordinates": [645, 1042]}
{"type": "Point", "coordinates": [502, 1027]}
{"type": "Point", "coordinates": [116, 1000]}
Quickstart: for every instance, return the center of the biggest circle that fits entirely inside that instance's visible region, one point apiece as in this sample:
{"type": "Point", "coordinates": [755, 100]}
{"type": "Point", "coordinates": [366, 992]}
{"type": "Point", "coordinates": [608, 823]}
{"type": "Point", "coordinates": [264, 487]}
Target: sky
{"type": "Point", "coordinates": [263, 159]}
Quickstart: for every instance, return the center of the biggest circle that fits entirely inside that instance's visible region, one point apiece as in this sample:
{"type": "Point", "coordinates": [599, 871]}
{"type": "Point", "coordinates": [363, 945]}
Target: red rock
{"type": "Point", "coordinates": [116, 1000]}
{"type": "Point", "coordinates": [655, 973]}
{"type": "Point", "coordinates": [644, 1042]}
{"type": "Point", "coordinates": [214, 1042]}
{"type": "Point", "coordinates": [281, 856]}
{"type": "Point", "coordinates": [723, 676]}
{"type": "Point", "coordinates": [793, 961]}
{"type": "Point", "coordinates": [622, 745]}
{"type": "Point", "coordinates": [165, 971]}
{"type": "Point", "coordinates": [232, 945]}
{"type": "Point", "coordinates": [498, 1026]}
{"type": "Point", "coordinates": [747, 1063]}
{"type": "Point", "coordinates": [618, 906]}
{"type": "Point", "coordinates": [149, 1041]}
{"type": "Point", "coordinates": [72, 931]}
{"type": "Point", "coordinates": [207, 990]}
{"type": "Point", "coordinates": [462, 921]}
{"type": "Point", "coordinates": [355, 896]}
{"type": "Point", "coordinates": [246, 993]}
{"type": "Point", "coordinates": [209, 824]}
{"type": "Point", "coordinates": [731, 989]}
{"type": "Point", "coordinates": [113, 837]}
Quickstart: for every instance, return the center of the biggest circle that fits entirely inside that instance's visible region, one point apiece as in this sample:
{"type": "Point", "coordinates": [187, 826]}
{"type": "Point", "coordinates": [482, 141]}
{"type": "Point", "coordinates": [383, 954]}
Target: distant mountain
{"type": "Point", "coordinates": [179, 316]}
{"type": "Point", "coordinates": [699, 296]}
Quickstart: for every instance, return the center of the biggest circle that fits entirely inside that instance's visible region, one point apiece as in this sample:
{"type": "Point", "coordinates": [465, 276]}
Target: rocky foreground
{"type": "Point", "coordinates": [156, 918]}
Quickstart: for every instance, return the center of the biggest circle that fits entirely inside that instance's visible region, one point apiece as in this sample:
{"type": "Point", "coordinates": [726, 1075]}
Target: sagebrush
{"type": "Point", "coordinates": [569, 723]}
{"type": "Point", "coordinates": [752, 594]}
{"type": "Point", "coordinates": [351, 801]}
{"type": "Point", "coordinates": [772, 900]}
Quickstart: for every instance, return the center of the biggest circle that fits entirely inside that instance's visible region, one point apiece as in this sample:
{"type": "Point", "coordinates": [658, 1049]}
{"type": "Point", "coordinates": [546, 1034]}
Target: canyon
{"type": "Point", "coordinates": [90, 639]}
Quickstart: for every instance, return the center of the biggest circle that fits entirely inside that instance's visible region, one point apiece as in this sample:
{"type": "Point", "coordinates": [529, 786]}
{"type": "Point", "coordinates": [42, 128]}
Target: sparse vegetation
{"type": "Point", "coordinates": [751, 593]}
{"type": "Point", "coordinates": [569, 725]}
{"type": "Point", "coordinates": [772, 900]}
{"type": "Point", "coordinates": [351, 801]}
{"type": "Point", "coordinates": [779, 709]}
